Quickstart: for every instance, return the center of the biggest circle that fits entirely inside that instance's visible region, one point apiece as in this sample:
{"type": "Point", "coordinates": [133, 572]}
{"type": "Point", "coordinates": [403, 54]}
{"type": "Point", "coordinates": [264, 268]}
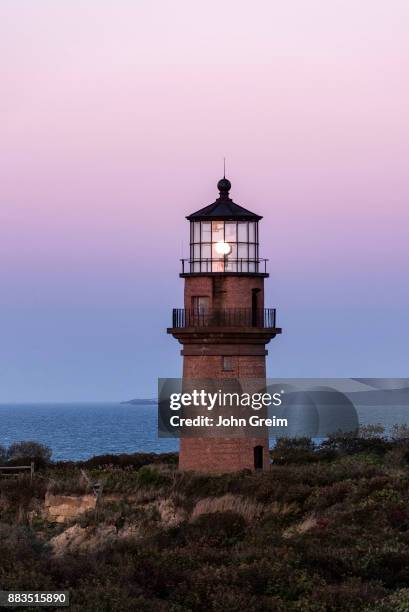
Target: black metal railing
{"type": "Point", "coordinates": [226, 317]}
{"type": "Point", "coordinates": [224, 264]}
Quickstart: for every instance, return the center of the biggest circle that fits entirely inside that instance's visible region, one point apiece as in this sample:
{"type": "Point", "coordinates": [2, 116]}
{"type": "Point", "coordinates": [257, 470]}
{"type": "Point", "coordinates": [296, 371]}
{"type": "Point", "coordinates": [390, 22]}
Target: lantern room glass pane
{"type": "Point", "coordinates": [215, 254]}
{"type": "Point", "coordinates": [196, 251]}
{"type": "Point", "coordinates": [252, 251]}
{"type": "Point", "coordinates": [217, 260]}
{"type": "Point", "coordinates": [217, 231]}
{"type": "Point", "coordinates": [231, 259]}
{"type": "Point", "coordinates": [196, 231]}
{"type": "Point", "coordinates": [218, 265]}
{"type": "Point", "coordinates": [231, 266]}
{"type": "Point", "coordinates": [252, 232]}
{"type": "Point", "coordinates": [233, 252]}
{"type": "Point", "coordinates": [242, 251]}
{"type": "Point", "coordinates": [242, 232]}
{"type": "Point", "coordinates": [230, 232]}
{"type": "Point", "coordinates": [206, 232]}
{"type": "Point", "coordinates": [206, 251]}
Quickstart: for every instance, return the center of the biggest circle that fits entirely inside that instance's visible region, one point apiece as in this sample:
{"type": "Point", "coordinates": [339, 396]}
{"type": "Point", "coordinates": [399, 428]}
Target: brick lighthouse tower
{"type": "Point", "coordinates": [224, 326]}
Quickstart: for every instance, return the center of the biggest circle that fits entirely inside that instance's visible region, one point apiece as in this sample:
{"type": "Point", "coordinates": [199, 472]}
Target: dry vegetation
{"type": "Point", "coordinates": [326, 529]}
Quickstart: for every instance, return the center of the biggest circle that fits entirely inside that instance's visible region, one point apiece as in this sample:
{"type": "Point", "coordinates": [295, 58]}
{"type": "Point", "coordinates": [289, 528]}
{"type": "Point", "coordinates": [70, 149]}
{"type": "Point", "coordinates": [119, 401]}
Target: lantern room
{"type": "Point", "coordinates": [224, 238]}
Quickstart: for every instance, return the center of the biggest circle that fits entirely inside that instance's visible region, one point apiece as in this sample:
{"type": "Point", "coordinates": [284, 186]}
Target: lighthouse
{"type": "Point", "coordinates": [224, 326]}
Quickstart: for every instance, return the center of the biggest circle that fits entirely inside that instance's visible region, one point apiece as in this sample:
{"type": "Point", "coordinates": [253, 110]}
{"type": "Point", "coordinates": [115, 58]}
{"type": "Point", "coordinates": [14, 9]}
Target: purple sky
{"type": "Point", "coordinates": [115, 117]}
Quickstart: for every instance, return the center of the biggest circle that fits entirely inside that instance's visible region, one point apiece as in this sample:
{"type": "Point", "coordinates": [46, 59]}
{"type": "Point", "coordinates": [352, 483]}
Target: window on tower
{"type": "Point", "coordinates": [200, 303]}
{"type": "Point", "coordinates": [227, 363]}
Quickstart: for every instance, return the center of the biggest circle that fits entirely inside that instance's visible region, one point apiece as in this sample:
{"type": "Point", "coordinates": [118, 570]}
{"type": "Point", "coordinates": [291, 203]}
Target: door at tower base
{"type": "Point", "coordinates": [224, 454]}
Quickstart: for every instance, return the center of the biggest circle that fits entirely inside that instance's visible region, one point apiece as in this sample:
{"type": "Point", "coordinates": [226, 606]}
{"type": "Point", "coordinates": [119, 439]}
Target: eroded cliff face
{"type": "Point", "coordinates": [62, 508]}
{"type": "Point", "coordinates": [91, 526]}
{"type": "Point", "coordinates": [78, 539]}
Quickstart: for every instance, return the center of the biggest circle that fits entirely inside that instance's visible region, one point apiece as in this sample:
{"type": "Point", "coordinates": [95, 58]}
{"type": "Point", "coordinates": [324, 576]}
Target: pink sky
{"type": "Point", "coordinates": [115, 117]}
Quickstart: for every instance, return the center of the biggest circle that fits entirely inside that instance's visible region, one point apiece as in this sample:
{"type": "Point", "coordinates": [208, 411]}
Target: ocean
{"type": "Point", "coordinates": [82, 430]}
{"type": "Point", "coordinates": [79, 431]}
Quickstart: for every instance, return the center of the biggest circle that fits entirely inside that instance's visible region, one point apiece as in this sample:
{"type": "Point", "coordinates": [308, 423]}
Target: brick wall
{"type": "Point", "coordinates": [225, 291]}
{"type": "Point", "coordinates": [210, 366]}
{"type": "Point", "coordinates": [223, 454]}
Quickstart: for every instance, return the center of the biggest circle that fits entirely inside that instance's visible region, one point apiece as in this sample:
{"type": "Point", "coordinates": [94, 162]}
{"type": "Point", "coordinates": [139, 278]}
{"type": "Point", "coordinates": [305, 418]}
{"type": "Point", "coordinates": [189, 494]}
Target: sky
{"type": "Point", "coordinates": [115, 117]}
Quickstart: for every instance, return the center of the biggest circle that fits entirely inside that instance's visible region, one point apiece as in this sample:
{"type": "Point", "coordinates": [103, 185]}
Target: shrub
{"type": "Point", "coordinates": [397, 457]}
{"type": "Point", "coordinates": [399, 432]}
{"type": "Point", "coordinates": [350, 444]}
{"type": "Point", "coordinates": [324, 497]}
{"type": "Point", "coordinates": [128, 461]}
{"type": "Point", "coordinates": [371, 431]}
{"type": "Point", "coordinates": [293, 450]}
{"type": "Point", "coordinates": [3, 454]}
{"type": "Point", "coordinates": [398, 601]}
{"type": "Point", "coordinates": [18, 496]}
{"type": "Point", "coordinates": [150, 476]}
{"type": "Point", "coordinates": [217, 529]}
{"type": "Point", "coordinates": [29, 450]}
{"type": "Point", "coordinates": [353, 594]}
{"type": "Point", "coordinates": [295, 443]}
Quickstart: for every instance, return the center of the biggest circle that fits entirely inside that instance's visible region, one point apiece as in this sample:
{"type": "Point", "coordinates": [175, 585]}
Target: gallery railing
{"type": "Point", "coordinates": [224, 264]}
{"type": "Point", "coordinates": [227, 317]}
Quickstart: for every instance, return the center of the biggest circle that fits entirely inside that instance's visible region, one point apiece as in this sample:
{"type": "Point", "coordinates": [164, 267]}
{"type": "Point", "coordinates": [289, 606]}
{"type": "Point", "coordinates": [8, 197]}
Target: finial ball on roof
{"type": "Point", "coordinates": [224, 185]}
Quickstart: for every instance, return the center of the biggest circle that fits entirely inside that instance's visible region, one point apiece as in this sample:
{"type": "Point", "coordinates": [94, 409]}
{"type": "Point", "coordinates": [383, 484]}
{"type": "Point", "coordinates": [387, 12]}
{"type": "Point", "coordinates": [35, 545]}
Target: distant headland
{"type": "Point", "coordinates": [141, 402]}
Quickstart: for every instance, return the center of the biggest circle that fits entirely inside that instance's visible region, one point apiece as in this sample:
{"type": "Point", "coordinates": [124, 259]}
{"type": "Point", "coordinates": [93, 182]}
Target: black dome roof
{"type": "Point", "coordinates": [224, 208]}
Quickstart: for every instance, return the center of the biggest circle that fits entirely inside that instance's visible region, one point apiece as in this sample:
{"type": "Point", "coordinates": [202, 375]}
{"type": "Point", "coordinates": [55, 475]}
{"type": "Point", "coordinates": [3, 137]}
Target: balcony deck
{"type": "Point", "coordinates": [261, 318]}
{"type": "Point", "coordinates": [229, 326]}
